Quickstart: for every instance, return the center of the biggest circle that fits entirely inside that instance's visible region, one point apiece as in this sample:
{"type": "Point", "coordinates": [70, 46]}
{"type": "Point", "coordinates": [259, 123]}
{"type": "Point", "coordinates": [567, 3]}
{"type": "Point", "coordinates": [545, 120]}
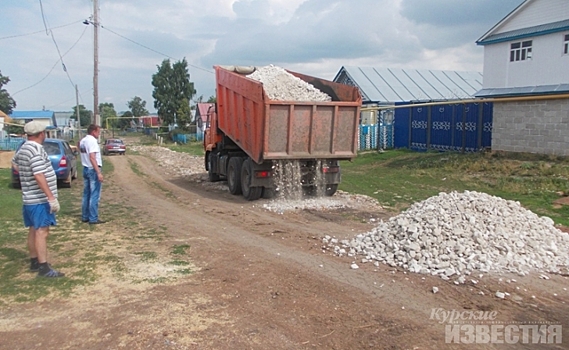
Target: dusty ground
{"type": "Point", "coordinates": [262, 281]}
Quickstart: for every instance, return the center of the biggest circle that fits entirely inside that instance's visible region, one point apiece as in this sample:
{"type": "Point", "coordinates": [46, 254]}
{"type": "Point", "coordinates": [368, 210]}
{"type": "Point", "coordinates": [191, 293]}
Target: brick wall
{"type": "Point", "coordinates": [538, 126]}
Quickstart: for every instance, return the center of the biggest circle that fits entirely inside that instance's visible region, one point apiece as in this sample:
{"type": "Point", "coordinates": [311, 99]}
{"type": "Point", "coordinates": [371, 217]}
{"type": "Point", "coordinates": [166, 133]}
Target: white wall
{"type": "Point", "coordinates": [548, 64]}
{"type": "Point", "coordinates": [536, 13]}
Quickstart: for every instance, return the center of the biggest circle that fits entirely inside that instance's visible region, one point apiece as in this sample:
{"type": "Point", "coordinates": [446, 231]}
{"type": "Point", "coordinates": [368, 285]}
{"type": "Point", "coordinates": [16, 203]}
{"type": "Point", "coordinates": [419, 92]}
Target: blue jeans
{"type": "Point", "coordinates": [91, 195]}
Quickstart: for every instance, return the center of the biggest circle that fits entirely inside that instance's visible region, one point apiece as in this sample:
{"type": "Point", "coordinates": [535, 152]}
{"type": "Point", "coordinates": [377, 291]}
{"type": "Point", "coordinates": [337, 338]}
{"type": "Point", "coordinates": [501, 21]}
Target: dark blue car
{"type": "Point", "coordinates": [63, 159]}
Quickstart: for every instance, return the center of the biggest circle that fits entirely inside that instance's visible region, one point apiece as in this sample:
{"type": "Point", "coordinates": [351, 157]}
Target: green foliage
{"type": "Point", "coordinates": [7, 103]}
{"type": "Point", "coordinates": [172, 92]}
{"type": "Point", "coordinates": [14, 129]}
{"type": "Point", "coordinates": [125, 121]}
{"type": "Point", "coordinates": [137, 107]}
{"type": "Point", "coordinates": [84, 115]}
{"type": "Point", "coordinates": [107, 110]}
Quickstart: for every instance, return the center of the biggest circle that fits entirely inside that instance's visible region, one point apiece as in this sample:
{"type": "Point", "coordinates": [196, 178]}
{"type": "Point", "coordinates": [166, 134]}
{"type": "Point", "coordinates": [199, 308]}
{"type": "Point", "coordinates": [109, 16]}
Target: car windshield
{"type": "Point", "coordinates": [114, 141]}
{"type": "Point", "coordinates": [51, 148]}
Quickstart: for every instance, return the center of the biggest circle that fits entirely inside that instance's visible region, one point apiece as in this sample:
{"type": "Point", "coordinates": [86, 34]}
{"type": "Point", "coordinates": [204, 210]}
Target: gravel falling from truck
{"type": "Point", "coordinates": [288, 179]}
{"type": "Point", "coordinates": [295, 179]}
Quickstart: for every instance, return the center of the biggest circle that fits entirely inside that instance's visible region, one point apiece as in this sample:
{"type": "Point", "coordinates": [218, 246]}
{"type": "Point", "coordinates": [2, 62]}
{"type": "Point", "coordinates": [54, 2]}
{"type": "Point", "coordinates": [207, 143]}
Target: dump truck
{"type": "Point", "coordinates": [249, 138]}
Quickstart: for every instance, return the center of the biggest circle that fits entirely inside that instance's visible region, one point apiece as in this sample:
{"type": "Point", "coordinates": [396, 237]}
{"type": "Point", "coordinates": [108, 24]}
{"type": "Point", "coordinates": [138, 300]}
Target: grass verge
{"type": "Point", "coordinates": [399, 178]}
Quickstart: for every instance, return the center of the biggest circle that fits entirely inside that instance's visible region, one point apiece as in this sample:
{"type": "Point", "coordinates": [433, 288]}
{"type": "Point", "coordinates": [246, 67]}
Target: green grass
{"type": "Point", "coordinates": [193, 148]}
{"type": "Point", "coordinates": [77, 248]}
{"type": "Point", "coordinates": [399, 178]}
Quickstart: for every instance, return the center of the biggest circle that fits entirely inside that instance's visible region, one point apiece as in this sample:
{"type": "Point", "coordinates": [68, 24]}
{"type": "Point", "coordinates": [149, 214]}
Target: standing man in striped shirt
{"type": "Point", "coordinates": [39, 196]}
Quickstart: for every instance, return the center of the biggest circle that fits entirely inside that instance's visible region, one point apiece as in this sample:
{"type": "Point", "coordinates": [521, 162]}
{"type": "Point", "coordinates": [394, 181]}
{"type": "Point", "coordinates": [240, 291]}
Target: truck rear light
{"type": "Point", "coordinates": [262, 174]}
{"type": "Point", "coordinates": [63, 162]}
{"type": "Point", "coordinates": [330, 169]}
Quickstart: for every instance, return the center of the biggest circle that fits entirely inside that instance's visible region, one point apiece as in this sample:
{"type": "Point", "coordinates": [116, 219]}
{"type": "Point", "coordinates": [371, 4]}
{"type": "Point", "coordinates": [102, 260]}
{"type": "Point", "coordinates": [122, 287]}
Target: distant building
{"type": "Point", "coordinates": [202, 110]}
{"type": "Point", "coordinates": [45, 117]}
{"type": "Point", "coordinates": [526, 55]}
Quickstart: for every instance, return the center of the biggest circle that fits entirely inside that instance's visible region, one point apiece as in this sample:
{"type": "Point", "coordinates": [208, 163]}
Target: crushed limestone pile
{"type": "Point", "coordinates": [280, 85]}
{"type": "Point", "coordinates": [455, 234]}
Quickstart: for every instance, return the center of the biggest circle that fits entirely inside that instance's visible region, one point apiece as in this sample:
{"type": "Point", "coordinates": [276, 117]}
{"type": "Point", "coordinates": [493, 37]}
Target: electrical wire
{"type": "Point", "coordinates": [50, 32]}
{"type": "Point", "coordinates": [39, 31]}
{"type": "Point", "coordinates": [54, 65]}
{"type": "Point", "coordinates": [158, 52]}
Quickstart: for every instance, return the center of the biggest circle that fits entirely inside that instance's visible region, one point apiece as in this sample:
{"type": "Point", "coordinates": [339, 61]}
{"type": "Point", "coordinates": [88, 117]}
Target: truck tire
{"type": "Point", "coordinates": [213, 177]}
{"type": "Point", "coordinates": [250, 193]}
{"type": "Point", "coordinates": [331, 189]}
{"type": "Point", "coordinates": [234, 175]}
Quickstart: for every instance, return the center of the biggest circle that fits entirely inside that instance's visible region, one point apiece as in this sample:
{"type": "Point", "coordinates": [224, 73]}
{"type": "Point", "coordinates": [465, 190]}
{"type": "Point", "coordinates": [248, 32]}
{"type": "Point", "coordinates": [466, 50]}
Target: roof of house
{"type": "Point", "coordinates": [522, 33]}
{"type": "Point", "coordinates": [523, 91]}
{"type": "Point", "coordinates": [24, 115]}
{"type": "Point", "coordinates": [202, 109]}
{"type": "Point", "coordinates": [390, 85]}
{"type": "Point", "coordinates": [31, 114]}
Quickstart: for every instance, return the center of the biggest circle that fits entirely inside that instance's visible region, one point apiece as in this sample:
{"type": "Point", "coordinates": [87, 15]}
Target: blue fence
{"type": "Point", "coordinates": [453, 127]}
{"type": "Point", "coordinates": [185, 138]}
{"type": "Point", "coordinates": [10, 144]}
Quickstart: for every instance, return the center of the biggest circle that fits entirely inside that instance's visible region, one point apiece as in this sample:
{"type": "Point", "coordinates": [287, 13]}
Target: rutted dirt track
{"type": "Point", "coordinates": [262, 281]}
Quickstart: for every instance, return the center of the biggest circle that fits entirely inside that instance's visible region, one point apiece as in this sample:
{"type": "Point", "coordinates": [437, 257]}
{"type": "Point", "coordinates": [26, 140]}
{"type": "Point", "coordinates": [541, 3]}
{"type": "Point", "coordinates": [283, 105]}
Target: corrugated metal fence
{"type": "Point", "coordinates": [463, 127]}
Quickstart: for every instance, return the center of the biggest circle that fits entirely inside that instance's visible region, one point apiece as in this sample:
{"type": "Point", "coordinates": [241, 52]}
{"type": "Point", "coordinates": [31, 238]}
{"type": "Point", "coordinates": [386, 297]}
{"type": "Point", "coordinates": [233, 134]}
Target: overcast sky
{"type": "Point", "coordinates": [314, 37]}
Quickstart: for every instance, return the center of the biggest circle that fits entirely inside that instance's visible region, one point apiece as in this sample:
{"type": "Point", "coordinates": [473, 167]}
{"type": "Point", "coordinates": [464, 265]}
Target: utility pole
{"type": "Point", "coordinates": [78, 116]}
{"type": "Point", "coordinates": [96, 116]}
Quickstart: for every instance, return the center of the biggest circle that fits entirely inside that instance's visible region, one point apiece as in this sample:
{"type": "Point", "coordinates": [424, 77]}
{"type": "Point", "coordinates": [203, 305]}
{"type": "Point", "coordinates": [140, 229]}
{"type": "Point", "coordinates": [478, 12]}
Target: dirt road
{"type": "Point", "coordinates": [261, 280]}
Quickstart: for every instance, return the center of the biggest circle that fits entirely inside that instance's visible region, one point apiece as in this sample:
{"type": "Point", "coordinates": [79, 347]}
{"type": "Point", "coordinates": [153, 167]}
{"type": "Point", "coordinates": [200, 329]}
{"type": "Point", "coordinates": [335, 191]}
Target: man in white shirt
{"type": "Point", "coordinates": [92, 175]}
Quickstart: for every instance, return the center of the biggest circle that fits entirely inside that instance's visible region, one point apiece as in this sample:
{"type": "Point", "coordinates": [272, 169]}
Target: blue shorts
{"type": "Point", "coordinates": [38, 216]}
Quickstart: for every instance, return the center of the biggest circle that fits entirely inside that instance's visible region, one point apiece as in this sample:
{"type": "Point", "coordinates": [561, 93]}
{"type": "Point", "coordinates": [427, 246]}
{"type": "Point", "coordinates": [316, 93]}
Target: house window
{"type": "Point", "coordinates": [520, 51]}
{"type": "Point", "coordinates": [566, 44]}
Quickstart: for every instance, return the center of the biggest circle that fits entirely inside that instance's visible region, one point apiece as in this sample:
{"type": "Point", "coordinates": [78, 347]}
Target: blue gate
{"type": "Point", "coordinates": [465, 127]}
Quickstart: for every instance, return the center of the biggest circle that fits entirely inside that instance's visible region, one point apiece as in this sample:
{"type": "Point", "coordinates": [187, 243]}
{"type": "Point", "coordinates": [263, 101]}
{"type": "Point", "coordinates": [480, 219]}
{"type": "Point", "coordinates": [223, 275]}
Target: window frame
{"type": "Point", "coordinates": [566, 44]}
{"type": "Point", "coordinates": [521, 51]}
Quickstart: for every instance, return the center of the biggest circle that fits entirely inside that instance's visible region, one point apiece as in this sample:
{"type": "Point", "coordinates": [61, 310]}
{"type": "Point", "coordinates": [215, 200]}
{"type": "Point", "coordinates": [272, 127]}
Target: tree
{"type": "Point", "coordinates": [184, 114]}
{"type": "Point", "coordinates": [172, 91]}
{"type": "Point", "coordinates": [125, 121]}
{"type": "Point", "coordinates": [137, 107]}
{"type": "Point", "coordinates": [7, 103]}
{"type": "Point", "coordinates": [212, 99]}
{"type": "Point", "coordinates": [107, 110]}
{"type": "Point", "coordinates": [84, 115]}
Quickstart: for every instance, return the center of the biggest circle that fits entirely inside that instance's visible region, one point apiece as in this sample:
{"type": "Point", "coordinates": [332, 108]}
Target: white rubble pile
{"type": "Point", "coordinates": [280, 85]}
{"type": "Point", "coordinates": [456, 234]}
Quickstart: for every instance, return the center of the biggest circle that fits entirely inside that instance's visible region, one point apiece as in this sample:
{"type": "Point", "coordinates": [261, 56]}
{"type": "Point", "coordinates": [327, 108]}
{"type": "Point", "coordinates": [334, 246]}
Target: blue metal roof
{"type": "Point", "coordinates": [524, 91]}
{"type": "Point", "coordinates": [31, 114]}
{"type": "Point", "coordinates": [526, 32]}
{"type": "Point", "coordinates": [389, 85]}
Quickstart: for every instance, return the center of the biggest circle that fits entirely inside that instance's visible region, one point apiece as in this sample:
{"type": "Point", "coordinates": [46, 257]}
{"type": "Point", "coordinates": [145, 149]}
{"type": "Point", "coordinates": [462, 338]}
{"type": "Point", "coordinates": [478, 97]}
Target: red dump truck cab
{"type": "Point", "coordinates": [248, 135]}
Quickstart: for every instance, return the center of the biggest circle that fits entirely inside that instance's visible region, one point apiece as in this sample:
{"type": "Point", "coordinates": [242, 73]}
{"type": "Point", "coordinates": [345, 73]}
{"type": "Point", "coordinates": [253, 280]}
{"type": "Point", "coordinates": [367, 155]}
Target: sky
{"type": "Point", "coordinates": [46, 50]}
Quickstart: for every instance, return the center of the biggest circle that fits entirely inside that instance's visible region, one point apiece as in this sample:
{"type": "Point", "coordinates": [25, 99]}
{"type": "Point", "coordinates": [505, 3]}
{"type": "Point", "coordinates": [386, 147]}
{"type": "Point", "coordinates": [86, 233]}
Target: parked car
{"type": "Point", "coordinates": [114, 146]}
{"type": "Point", "coordinates": [63, 160]}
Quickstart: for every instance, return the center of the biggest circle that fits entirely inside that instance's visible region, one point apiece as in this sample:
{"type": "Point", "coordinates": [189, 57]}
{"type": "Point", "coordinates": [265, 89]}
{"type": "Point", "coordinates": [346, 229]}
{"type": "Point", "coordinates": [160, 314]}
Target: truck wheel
{"type": "Point", "coordinates": [250, 193]}
{"type": "Point", "coordinates": [331, 189]}
{"type": "Point", "coordinates": [234, 175]}
{"type": "Point", "coordinates": [213, 177]}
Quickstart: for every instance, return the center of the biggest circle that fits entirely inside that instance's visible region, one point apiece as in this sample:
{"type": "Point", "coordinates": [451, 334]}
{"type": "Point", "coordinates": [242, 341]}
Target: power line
{"type": "Point", "coordinates": [48, 32]}
{"type": "Point", "coordinates": [39, 31]}
{"type": "Point", "coordinates": [148, 48]}
{"type": "Point", "coordinates": [54, 65]}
